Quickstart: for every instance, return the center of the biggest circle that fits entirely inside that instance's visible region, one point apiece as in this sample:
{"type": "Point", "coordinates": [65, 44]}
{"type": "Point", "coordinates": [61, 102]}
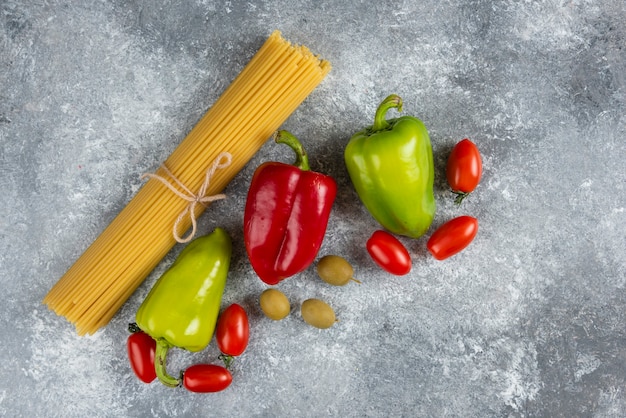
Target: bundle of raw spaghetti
{"type": "Point", "coordinates": [269, 88]}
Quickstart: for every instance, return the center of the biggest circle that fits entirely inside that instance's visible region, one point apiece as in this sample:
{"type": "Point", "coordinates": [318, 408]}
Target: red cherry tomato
{"type": "Point", "coordinates": [464, 169]}
{"type": "Point", "coordinates": [141, 348]}
{"type": "Point", "coordinates": [452, 237]}
{"type": "Point", "coordinates": [205, 378]}
{"type": "Point", "coordinates": [233, 330]}
{"type": "Point", "coordinates": [389, 253]}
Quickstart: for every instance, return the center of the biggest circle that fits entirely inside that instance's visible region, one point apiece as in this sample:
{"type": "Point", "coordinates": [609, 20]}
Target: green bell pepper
{"type": "Point", "coordinates": [182, 307]}
{"type": "Point", "coordinates": [391, 167]}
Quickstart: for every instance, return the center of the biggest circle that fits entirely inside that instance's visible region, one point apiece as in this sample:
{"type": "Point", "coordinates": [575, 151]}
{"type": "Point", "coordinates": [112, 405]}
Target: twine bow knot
{"type": "Point", "coordinates": [223, 160]}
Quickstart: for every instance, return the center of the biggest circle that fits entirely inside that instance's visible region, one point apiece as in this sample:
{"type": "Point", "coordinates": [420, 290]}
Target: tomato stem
{"type": "Point", "coordinates": [160, 365]}
{"type": "Point", "coordinates": [227, 359]}
{"type": "Point", "coordinates": [380, 123]}
{"type": "Point", "coordinates": [287, 138]}
{"type": "Point", "coordinates": [459, 196]}
{"type": "Point", "coordinates": [133, 328]}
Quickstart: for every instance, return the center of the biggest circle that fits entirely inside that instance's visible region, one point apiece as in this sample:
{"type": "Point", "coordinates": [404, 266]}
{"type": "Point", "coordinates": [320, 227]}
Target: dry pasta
{"type": "Point", "coordinates": [268, 89]}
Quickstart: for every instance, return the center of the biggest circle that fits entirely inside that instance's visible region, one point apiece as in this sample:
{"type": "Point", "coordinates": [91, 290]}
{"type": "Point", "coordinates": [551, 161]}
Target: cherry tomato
{"type": "Point", "coordinates": [464, 169]}
{"type": "Point", "coordinates": [233, 330]}
{"type": "Point", "coordinates": [452, 237]}
{"type": "Point", "coordinates": [204, 378]}
{"type": "Point", "coordinates": [141, 348]}
{"type": "Point", "coordinates": [389, 253]}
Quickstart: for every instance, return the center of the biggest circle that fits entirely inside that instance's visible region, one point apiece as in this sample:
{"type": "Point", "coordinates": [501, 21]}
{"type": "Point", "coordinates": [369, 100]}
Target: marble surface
{"type": "Point", "coordinates": [529, 321]}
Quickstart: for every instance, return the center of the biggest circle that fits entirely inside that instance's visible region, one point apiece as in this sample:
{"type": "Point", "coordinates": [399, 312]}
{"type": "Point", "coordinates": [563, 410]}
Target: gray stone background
{"type": "Point", "coordinates": [528, 321]}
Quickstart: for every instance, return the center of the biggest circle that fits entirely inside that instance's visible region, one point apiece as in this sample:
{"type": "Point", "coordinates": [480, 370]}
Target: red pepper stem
{"type": "Point", "coordinates": [302, 159]}
{"type": "Point", "coordinates": [380, 123]}
{"type": "Point", "coordinates": [160, 357]}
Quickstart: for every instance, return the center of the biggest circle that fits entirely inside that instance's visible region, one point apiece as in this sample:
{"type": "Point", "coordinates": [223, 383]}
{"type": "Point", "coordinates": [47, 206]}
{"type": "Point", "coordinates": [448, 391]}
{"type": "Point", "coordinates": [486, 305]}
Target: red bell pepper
{"type": "Point", "coordinates": [286, 214]}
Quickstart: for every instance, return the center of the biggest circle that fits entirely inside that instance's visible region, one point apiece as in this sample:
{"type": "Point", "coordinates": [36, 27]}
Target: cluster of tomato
{"type": "Point", "coordinates": [232, 333]}
{"type": "Point", "coordinates": [463, 172]}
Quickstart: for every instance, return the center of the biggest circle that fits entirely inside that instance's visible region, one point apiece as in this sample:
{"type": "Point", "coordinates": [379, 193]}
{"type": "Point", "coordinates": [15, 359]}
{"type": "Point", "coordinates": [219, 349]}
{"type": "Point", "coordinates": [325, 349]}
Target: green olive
{"type": "Point", "coordinates": [318, 313]}
{"type": "Point", "coordinates": [335, 270]}
{"type": "Point", "coordinates": [274, 304]}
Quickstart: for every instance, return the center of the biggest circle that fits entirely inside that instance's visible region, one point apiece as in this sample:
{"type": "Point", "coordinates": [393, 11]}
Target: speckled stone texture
{"type": "Point", "coordinates": [529, 321]}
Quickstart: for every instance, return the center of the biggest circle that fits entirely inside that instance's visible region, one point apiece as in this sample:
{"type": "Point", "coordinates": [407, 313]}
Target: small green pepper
{"type": "Point", "coordinates": [182, 308]}
{"type": "Point", "coordinates": [391, 167]}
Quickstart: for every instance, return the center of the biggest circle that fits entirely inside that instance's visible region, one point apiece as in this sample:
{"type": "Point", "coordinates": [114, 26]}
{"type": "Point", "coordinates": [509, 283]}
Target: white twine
{"type": "Point", "coordinates": [223, 160]}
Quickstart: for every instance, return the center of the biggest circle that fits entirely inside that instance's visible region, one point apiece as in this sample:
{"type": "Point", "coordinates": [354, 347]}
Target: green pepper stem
{"type": "Point", "coordinates": [302, 159]}
{"type": "Point", "coordinates": [380, 123]}
{"type": "Point", "coordinates": [160, 356]}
